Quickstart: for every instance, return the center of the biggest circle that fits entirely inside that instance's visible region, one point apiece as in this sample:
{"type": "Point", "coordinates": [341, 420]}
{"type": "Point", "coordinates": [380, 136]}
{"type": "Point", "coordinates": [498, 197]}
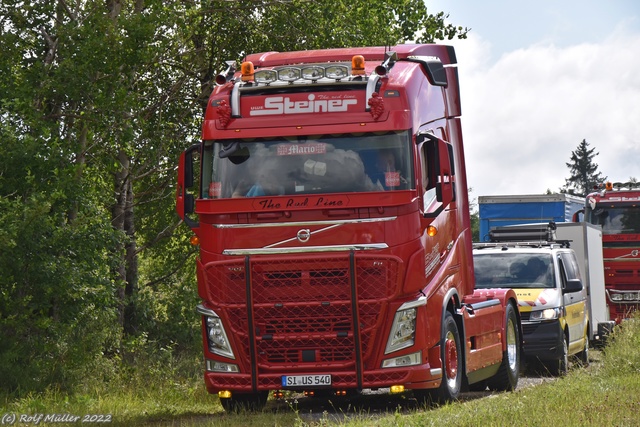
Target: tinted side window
{"type": "Point", "coordinates": [570, 265]}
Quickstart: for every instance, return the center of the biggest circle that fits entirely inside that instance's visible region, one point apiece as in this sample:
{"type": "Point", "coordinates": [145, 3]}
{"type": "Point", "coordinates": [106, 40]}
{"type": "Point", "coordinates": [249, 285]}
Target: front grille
{"type": "Point", "coordinates": [302, 307]}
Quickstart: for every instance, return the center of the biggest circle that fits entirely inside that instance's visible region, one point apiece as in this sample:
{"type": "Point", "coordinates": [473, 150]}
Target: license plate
{"type": "Point", "coordinates": [306, 380]}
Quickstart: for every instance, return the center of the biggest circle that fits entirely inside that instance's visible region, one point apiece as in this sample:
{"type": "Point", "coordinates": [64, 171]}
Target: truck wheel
{"type": "Point", "coordinates": [506, 379]}
{"type": "Point", "coordinates": [451, 355]}
{"type": "Point", "coordinates": [583, 356]}
{"type": "Point", "coordinates": [245, 402]}
{"type": "Point", "coordinates": [560, 367]}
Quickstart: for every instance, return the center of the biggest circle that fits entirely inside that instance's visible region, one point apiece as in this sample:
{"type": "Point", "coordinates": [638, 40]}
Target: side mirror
{"type": "Point", "coordinates": [573, 285]}
{"type": "Point", "coordinates": [185, 201]}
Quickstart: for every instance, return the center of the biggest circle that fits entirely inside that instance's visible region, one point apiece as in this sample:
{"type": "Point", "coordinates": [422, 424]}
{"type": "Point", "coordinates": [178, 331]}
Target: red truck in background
{"type": "Point", "coordinates": [333, 226]}
{"type": "Point", "coordinates": [616, 207]}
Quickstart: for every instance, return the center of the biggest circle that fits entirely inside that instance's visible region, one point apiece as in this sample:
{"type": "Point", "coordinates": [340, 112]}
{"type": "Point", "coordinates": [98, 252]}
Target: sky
{"type": "Point", "coordinates": [536, 79]}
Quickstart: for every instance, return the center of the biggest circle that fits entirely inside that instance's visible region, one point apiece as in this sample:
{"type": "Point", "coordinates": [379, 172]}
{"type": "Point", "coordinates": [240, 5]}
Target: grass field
{"type": "Point", "coordinates": [608, 394]}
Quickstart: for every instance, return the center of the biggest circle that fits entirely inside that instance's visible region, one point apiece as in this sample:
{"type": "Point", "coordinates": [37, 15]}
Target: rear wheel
{"type": "Point", "coordinates": [506, 379]}
{"type": "Point", "coordinates": [245, 402]}
{"type": "Point", "coordinates": [583, 356]}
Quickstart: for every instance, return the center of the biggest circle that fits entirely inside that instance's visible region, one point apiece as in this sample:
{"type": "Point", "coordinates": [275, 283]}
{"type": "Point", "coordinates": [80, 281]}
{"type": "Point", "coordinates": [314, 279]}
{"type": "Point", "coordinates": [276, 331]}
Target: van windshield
{"type": "Point", "coordinates": [513, 270]}
{"type": "Point", "coordinates": [307, 165]}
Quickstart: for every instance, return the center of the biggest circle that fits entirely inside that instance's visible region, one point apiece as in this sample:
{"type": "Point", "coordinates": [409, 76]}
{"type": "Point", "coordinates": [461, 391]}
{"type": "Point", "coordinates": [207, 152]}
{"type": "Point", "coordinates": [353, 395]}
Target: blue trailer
{"type": "Point", "coordinates": [497, 211]}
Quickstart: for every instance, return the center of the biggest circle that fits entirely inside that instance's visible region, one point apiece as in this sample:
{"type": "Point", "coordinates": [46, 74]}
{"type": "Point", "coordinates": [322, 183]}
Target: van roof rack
{"type": "Point", "coordinates": [530, 235]}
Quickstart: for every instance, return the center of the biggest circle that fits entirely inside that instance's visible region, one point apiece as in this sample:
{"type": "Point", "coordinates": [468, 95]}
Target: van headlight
{"type": "Point", "coordinates": [217, 340]}
{"type": "Point", "coordinates": [403, 329]}
{"type": "Point", "coordinates": [547, 314]}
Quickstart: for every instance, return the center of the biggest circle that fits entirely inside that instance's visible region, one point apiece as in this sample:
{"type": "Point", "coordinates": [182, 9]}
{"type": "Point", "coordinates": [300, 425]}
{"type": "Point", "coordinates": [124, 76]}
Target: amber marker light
{"type": "Point", "coordinates": [357, 65]}
{"type": "Point", "coordinates": [194, 240]}
{"type": "Point", "coordinates": [432, 231]}
{"type": "Point", "coordinates": [396, 389]}
{"type": "Point", "coordinates": [224, 394]}
{"type": "Point", "coordinates": [247, 71]}
{"type": "Point", "coordinates": [608, 186]}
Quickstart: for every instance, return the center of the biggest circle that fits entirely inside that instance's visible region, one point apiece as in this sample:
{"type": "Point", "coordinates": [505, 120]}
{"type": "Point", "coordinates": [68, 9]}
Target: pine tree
{"type": "Point", "coordinates": [584, 171]}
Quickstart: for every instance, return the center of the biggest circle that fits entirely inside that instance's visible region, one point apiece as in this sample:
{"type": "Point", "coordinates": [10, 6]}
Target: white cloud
{"type": "Point", "coordinates": [524, 114]}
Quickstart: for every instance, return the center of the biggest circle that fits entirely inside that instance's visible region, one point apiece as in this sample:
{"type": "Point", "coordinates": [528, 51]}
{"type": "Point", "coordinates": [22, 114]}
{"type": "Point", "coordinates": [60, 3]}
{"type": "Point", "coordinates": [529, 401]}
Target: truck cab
{"type": "Point", "coordinates": [328, 201]}
{"type": "Point", "coordinates": [552, 299]}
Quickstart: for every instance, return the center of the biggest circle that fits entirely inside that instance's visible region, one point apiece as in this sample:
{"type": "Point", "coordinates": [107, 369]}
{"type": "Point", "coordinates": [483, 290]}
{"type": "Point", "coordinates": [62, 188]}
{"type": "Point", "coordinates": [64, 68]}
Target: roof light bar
{"type": "Point", "coordinates": [336, 72]}
{"type": "Point", "coordinates": [313, 73]}
{"type": "Point", "coordinates": [289, 74]}
{"type": "Point", "coordinates": [265, 76]}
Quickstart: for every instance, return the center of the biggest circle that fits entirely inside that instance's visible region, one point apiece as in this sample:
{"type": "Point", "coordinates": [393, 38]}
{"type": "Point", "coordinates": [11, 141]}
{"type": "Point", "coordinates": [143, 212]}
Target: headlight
{"type": "Point", "coordinates": [403, 330]}
{"type": "Point", "coordinates": [216, 335]}
{"type": "Point", "coordinates": [547, 314]}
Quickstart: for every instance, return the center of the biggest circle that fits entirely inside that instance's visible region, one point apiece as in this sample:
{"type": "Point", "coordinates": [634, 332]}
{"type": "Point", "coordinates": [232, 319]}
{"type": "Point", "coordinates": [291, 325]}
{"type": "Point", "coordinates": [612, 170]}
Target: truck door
{"type": "Point", "coordinates": [438, 194]}
{"type": "Point", "coordinates": [574, 302]}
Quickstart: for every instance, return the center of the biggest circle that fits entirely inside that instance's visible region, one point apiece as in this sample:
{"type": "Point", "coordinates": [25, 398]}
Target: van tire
{"type": "Point", "coordinates": [506, 379]}
{"type": "Point", "coordinates": [560, 367]}
{"type": "Point", "coordinates": [583, 356]}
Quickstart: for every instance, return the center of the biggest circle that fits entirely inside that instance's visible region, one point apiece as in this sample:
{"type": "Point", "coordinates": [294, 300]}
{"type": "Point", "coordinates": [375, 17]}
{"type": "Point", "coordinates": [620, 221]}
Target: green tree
{"type": "Point", "coordinates": [584, 171]}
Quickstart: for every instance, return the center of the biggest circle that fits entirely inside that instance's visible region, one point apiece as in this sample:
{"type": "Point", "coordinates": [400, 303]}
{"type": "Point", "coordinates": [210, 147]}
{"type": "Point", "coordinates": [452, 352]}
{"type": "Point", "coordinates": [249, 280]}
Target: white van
{"type": "Point", "coordinates": [551, 297]}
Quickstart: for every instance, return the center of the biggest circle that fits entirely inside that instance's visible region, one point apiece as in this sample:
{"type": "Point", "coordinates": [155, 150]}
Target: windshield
{"type": "Point", "coordinates": [513, 270]}
{"type": "Point", "coordinates": [620, 220]}
{"type": "Point", "coordinates": [307, 165]}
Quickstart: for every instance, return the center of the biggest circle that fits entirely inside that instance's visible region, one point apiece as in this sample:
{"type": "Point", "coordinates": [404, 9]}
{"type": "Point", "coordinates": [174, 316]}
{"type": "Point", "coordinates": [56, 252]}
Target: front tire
{"type": "Point", "coordinates": [506, 379]}
{"type": "Point", "coordinates": [560, 367]}
{"type": "Point", "coordinates": [451, 356]}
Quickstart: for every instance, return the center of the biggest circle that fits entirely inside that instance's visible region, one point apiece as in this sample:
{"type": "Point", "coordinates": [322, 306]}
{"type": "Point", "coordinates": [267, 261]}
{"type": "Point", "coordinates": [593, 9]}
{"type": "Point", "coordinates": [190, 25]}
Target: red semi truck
{"type": "Point", "coordinates": [332, 220]}
{"type": "Point", "coordinates": [616, 207]}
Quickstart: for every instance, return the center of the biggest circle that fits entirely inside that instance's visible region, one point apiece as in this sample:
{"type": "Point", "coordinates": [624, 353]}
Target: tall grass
{"type": "Point", "coordinates": [607, 395]}
{"type": "Point", "coordinates": [169, 390]}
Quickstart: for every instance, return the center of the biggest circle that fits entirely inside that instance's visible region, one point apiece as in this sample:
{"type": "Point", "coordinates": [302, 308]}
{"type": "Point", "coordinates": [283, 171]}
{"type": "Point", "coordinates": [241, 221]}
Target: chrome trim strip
{"type": "Point", "coordinates": [413, 304]}
{"type": "Point", "coordinates": [307, 223]}
{"type": "Point", "coordinates": [201, 309]}
{"type": "Point", "coordinates": [371, 86]}
{"type": "Point", "coordinates": [235, 101]}
{"type": "Point", "coordinates": [311, 233]}
{"type": "Point", "coordinates": [298, 249]}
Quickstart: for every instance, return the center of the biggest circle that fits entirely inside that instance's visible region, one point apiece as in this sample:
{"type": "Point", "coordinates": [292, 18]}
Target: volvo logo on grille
{"type": "Point", "coordinates": [304, 235]}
